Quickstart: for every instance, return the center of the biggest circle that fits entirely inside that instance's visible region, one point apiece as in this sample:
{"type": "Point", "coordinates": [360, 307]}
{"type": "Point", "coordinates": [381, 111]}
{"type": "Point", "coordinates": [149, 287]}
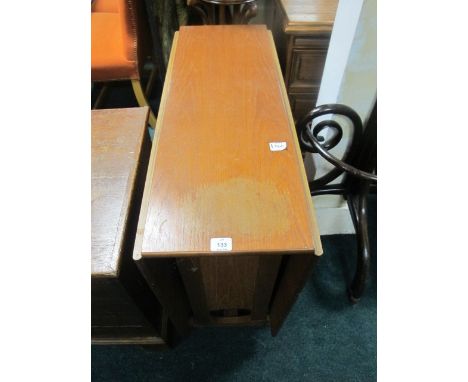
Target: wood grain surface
{"type": "Point", "coordinates": [123, 309]}
{"type": "Point", "coordinates": [117, 136]}
{"type": "Point", "coordinates": [212, 172]}
{"type": "Point", "coordinates": [307, 15]}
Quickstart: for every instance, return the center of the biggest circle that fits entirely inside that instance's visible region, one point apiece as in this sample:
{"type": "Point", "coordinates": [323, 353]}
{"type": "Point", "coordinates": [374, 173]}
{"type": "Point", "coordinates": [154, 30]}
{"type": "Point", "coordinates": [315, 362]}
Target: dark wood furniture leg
{"type": "Point", "coordinates": [358, 207]}
{"type": "Point", "coordinates": [190, 271]}
{"type": "Point", "coordinates": [163, 279]}
{"type": "Point", "coordinates": [295, 274]}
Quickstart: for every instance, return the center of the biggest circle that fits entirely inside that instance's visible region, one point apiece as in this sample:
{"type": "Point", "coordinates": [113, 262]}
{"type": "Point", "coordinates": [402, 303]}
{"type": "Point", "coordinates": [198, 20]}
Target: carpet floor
{"type": "Point", "coordinates": [324, 338]}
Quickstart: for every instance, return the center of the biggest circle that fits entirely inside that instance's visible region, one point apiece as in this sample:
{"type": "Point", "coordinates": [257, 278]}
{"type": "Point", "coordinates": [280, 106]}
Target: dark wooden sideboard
{"type": "Point", "coordinates": [123, 309]}
{"type": "Point", "coordinates": [301, 30]}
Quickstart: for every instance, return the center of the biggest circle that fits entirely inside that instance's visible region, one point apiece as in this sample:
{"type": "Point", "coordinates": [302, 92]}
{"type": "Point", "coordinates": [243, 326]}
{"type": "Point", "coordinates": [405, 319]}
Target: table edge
{"type": "Point", "coordinates": [317, 250]}
{"type": "Point", "coordinates": [114, 270]}
{"type": "Point", "coordinates": [149, 174]}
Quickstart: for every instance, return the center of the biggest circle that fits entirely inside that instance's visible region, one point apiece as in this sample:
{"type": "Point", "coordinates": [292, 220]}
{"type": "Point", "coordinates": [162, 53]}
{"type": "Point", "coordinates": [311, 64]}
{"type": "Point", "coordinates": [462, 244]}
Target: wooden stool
{"type": "Point", "coordinates": [123, 309]}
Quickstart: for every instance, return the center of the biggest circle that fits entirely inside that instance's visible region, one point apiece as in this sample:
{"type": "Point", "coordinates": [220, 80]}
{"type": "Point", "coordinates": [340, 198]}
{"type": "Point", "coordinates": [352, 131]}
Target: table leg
{"type": "Point", "coordinates": [296, 272]}
{"type": "Point", "coordinates": [164, 280]}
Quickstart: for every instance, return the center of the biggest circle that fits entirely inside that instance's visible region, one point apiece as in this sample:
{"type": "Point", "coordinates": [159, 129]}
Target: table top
{"type": "Point", "coordinates": [309, 15]}
{"type": "Point", "coordinates": [117, 136]}
{"type": "Point", "coordinates": [212, 173]}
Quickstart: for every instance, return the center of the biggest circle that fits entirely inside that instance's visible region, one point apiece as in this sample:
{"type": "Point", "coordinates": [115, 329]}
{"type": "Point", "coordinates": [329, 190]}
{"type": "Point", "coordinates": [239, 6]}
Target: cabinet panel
{"type": "Point", "coordinates": [114, 314]}
{"type": "Point", "coordinates": [279, 37]}
{"type": "Point", "coordinates": [123, 308]}
{"type": "Point", "coordinates": [302, 31]}
{"type": "Point", "coordinates": [306, 69]}
{"type": "Point", "coordinates": [302, 103]}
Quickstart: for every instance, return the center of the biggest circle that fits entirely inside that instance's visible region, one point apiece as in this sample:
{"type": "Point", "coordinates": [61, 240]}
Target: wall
{"type": "Point", "coordinates": [350, 78]}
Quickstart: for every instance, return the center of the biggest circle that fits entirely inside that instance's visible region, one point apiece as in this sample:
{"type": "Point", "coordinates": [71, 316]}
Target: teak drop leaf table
{"type": "Point", "coordinates": [227, 232]}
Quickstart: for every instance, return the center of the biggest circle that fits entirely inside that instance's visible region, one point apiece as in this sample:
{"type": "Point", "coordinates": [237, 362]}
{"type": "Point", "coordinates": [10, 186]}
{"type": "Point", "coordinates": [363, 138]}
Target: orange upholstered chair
{"type": "Point", "coordinates": [117, 46]}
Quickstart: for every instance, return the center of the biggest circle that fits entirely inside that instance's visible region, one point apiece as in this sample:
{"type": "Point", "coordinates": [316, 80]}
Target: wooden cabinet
{"type": "Point", "coordinates": [228, 216]}
{"type": "Point", "coordinates": [123, 309]}
{"type": "Point", "coordinates": [302, 30]}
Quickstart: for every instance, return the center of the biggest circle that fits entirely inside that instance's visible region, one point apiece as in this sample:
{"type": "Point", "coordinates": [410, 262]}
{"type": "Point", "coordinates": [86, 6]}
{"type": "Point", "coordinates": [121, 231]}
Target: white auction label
{"type": "Point", "coordinates": [221, 244]}
{"type": "Point", "coordinates": [278, 146]}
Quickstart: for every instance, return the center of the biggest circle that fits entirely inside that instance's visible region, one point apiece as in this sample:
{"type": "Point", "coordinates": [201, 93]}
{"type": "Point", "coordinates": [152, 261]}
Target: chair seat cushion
{"type": "Point", "coordinates": [111, 6]}
{"type": "Point", "coordinates": [108, 58]}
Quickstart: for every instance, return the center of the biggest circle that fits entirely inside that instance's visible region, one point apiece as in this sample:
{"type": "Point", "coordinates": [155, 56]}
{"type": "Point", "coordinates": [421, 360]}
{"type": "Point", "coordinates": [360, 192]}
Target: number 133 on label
{"type": "Point", "coordinates": [221, 244]}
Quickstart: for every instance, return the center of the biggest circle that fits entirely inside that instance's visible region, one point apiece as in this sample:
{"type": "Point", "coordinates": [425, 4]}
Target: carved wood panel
{"type": "Point", "coordinates": [306, 69]}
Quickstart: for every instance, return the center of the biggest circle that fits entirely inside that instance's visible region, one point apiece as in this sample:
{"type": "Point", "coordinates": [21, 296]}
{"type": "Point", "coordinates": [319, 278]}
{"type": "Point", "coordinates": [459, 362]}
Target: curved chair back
{"type": "Point", "coordinates": [214, 12]}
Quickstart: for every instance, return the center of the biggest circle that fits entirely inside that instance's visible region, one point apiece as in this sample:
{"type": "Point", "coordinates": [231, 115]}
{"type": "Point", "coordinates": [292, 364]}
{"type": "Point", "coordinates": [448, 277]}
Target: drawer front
{"type": "Point", "coordinates": [316, 41]}
{"type": "Point", "coordinates": [306, 69]}
{"type": "Point", "coordinates": [302, 103]}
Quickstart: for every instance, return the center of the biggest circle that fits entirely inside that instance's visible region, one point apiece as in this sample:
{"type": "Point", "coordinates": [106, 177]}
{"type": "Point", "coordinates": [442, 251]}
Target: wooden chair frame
{"type": "Point", "coordinates": [359, 163]}
{"type": "Point", "coordinates": [157, 67]}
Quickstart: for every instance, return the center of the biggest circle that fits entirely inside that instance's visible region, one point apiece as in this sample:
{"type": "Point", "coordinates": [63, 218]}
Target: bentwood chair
{"type": "Point", "coordinates": [359, 163]}
{"type": "Point", "coordinates": [118, 46]}
{"type": "Point", "coordinates": [224, 11]}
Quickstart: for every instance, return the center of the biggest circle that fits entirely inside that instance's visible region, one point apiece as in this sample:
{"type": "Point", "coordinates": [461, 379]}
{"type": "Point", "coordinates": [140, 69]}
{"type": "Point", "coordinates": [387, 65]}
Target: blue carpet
{"type": "Point", "coordinates": [325, 338]}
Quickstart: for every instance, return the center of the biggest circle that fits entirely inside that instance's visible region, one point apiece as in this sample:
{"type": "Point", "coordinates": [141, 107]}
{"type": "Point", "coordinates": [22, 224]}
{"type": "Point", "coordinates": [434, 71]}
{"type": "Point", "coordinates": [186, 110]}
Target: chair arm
{"type": "Point", "coordinates": [310, 143]}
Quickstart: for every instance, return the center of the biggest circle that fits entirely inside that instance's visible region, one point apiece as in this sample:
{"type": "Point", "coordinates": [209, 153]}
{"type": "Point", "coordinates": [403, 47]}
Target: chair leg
{"type": "Point", "coordinates": [142, 101]}
{"type": "Point", "coordinates": [359, 207]}
{"type": "Point", "coordinates": [100, 98]}
{"type": "Point", "coordinates": [151, 80]}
